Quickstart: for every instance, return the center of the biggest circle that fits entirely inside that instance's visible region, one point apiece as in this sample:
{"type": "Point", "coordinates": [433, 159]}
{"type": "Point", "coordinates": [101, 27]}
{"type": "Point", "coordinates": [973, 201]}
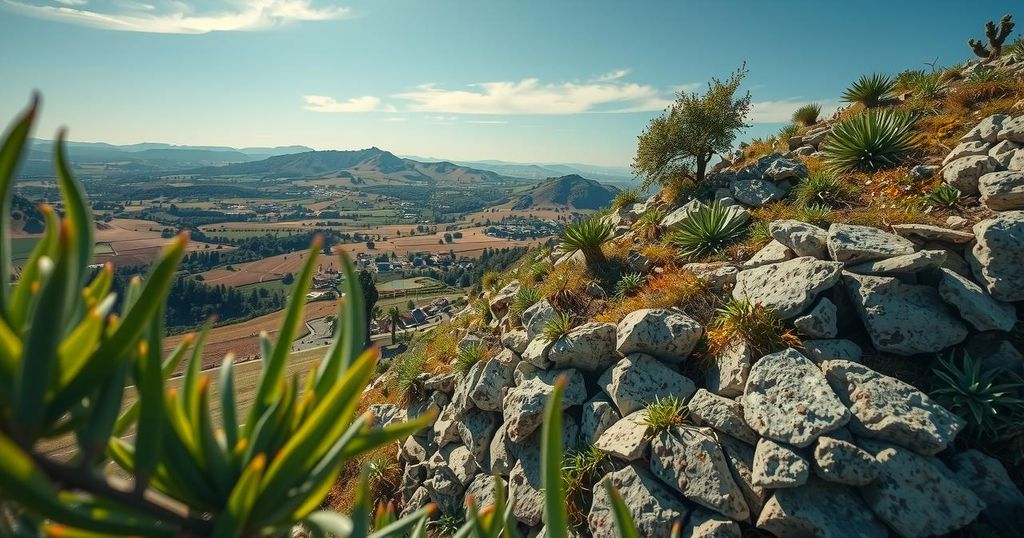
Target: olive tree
{"type": "Point", "coordinates": [693, 129]}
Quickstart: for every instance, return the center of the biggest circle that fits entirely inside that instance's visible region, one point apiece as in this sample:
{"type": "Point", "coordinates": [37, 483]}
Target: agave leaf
{"type": "Point", "coordinates": [348, 340]}
{"type": "Point", "coordinates": [330, 523]}
{"type": "Point", "coordinates": [623, 521]}
{"type": "Point", "coordinates": [233, 522]}
{"type": "Point", "coordinates": [10, 155]}
{"type": "Point", "coordinates": [19, 308]}
{"type": "Point", "coordinates": [170, 363]}
{"type": "Point", "coordinates": [151, 402]}
{"type": "Point", "coordinates": [94, 437]}
{"type": "Point", "coordinates": [556, 518]}
{"type": "Point", "coordinates": [78, 212]}
{"type": "Point", "coordinates": [373, 438]}
{"type": "Point", "coordinates": [227, 400]}
{"type": "Point", "coordinates": [398, 528]}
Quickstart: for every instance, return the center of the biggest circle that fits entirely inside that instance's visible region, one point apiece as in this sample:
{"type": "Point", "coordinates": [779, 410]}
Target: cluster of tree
{"type": "Point", "coordinates": [255, 248]}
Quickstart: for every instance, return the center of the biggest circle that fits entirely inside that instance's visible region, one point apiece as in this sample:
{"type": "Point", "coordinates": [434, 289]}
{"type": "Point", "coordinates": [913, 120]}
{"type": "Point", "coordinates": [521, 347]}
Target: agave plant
{"type": "Point", "coordinates": [648, 225]}
{"type": "Point", "coordinates": [945, 196]}
{"type": "Point", "coordinates": [588, 236]}
{"type": "Point", "coordinates": [467, 356]}
{"type": "Point", "coordinates": [707, 230]}
{"type": "Point", "coordinates": [67, 359]}
{"type": "Point", "coordinates": [807, 115]}
{"type": "Point", "coordinates": [869, 90]}
{"type": "Point", "coordinates": [557, 327]}
{"type": "Point", "coordinates": [628, 284]}
{"type": "Point", "coordinates": [971, 390]}
{"type": "Point", "coordinates": [871, 140]}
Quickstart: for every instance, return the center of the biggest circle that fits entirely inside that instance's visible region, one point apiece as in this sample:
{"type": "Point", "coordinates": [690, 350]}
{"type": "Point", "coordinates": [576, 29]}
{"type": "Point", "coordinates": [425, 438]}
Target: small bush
{"type": "Point", "coordinates": [467, 356]}
{"type": "Point", "coordinates": [987, 74]}
{"type": "Point", "coordinates": [870, 141]}
{"type": "Point", "coordinates": [807, 115]}
{"type": "Point", "coordinates": [626, 197]}
{"type": "Point", "coordinates": [526, 297]}
{"type": "Point", "coordinates": [648, 226]}
{"type": "Point", "coordinates": [665, 413]}
{"type": "Point", "coordinates": [752, 323]}
{"type": "Point", "coordinates": [588, 236]}
{"type": "Point", "coordinates": [628, 285]}
{"type": "Point", "coordinates": [869, 90]}
{"type": "Point", "coordinates": [671, 288]}
{"type": "Point", "coordinates": [581, 469]}
{"type": "Point", "coordinates": [707, 230]}
{"type": "Point", "coordinates": [557, 327]}
{"type": "Point", "coordinates": [973, 392]}
{"type": "Point", "coordinates": [825, 188]}
{"type": "Point", "coordinates": [944, 196]}
{"type": "Point", "coordinates": [406, 367]}
{"type": "Point", "coordinates": [787, 132]}
{"type": "Point", "coordinates": [817, 214]}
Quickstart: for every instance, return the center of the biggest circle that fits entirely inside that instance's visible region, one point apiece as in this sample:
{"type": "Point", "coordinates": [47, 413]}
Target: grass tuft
{"type": "Point", "coordinates": [665, 413]}
{"type": "Point", "coordinates": [628, 285]}
{"type": "Point", "coordinates": [870, 90]}
{"type": "Point", "coordinates": [807, 115]}
{"type": "Point", "coordinates": [468, 356]}
{"type": "Point", "coordinates": [825, 188]}
{"type": "Point", "coordinates": [557, 327]}
{"type": "Point", "coordinates": [754, 324]}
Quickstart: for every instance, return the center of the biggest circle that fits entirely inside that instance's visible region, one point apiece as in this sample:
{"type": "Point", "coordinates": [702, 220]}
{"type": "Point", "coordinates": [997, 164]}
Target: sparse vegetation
{"type": "Point", "coordinates": [825, 188]}
{"type": "Point", "coordinates": [695, 128]}
{"type": "Point", "coordinates": [870, 90]}
{"type": "Point", "coordinates": [665, 413]}
{"type": "Point", "coordinates": [557, 327]}
{"type": "Point", "coordinates": [707, 230]}
{"type": "Point", "coordinates": [581, 469]}
{"type": "Point", "coordinates": [988, 398]}
{"type": "Point", "coordinates": [786, 132]}
{"type": "Point", "coordinates": [565, 288]}
{"type": "Point", "coordinates": [626, 197]}
{"type": "Point", "coordinates": [871, 140]}
{"type": "Point", "coordinates": [526, 297]}
{"type": "Point", "coordinates": [753, 323]}
{"type": "Point", "coordinates": [588, 236]}
{"type": "Point", "coordinates": [944, 196]}
{"type": "Point", "coordinates": [467, 356]}
{"type": "Point", "coordinates": [807, 115]}
{"type": "Point", "coordinates": [648, 226]}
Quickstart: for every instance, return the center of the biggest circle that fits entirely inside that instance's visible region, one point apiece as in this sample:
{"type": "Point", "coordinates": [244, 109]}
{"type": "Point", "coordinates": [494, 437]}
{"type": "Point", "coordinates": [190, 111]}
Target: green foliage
{"type": "Point", "coordinates": [807, 115]}
{"type": "Point", "coordinates": [870, 141]}
{"type": "Point", "coordinates": [825, 188]}
{"type": "Point", "coordinates": [581, 469]}
{"type": "Point", "coordinates": [526, 297]}
{"type": "Point", "coordinates": [626, 197]}
{"type": "Point", "coordinates": [944, 196]}
{"type": "Point", "coordinates": [405, 368]}
{"type": "Point", "coordinates": [739, 319]}
{"type": "Point", "coordinates": [66, 362]}
{"type": "Point", "coordinates": [648, 225]}
{"type": "Point", "coordinates": [818, 214]}
{"type": "Point", "coordinates": [1016, 49]}
{"type": "Point", "coordinates": [870, 90]}
{"type": "Point", "coordinates": [986, 74]}
{"type": "Point", "coordinates": [921, 84]}
{"type": "Point", "coordinates": [996, 37]}
{"type": "Point", "coordinates": [588, 236]}
{"type": "Point", "coordinates": [787, 132]}
{"type": "Point", "coordinates": [628, 284]}
{"type": "Point", "coordinates": [707, 230]}
{"type": "Point", "coordinates": [975, 392]}
{"type": "Point", "coordinates": [557, 327]}
{"type": "Point", "coordinates": [665, 413]}
{"type": "Point", "coordinates": [467, 356]}
{"type": "Point", "coordinates": [695, 128]}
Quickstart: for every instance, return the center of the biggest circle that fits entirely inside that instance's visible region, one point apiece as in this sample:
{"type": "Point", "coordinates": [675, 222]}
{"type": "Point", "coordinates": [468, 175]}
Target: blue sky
{"type": "Point", "coordinates": [523, 80]}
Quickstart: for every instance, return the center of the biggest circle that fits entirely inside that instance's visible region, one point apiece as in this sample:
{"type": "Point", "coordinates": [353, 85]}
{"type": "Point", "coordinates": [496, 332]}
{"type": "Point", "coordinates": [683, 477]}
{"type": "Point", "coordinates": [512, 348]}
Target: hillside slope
{"type": "Point", "coordinates": [571, 191]}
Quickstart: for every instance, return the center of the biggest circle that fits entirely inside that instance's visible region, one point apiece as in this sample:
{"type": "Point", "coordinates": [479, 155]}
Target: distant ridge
{"type": "Point", "coordinates": [573, 191]}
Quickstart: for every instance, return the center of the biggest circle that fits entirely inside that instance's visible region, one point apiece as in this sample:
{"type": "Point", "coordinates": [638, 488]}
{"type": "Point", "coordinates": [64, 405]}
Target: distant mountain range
{"type": "Point", "coordinates": [371, 166]}
{"type": "Point", "coordinates": [608, 174]}
{"type": "Point", "coordinates": [573, 191]}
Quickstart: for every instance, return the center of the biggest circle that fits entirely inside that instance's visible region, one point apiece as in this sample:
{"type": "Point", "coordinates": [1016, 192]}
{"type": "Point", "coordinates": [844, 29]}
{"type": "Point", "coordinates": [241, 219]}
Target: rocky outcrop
{"type": "Point", "coordinates": [997, 258]}
{"type": "Point", "coordinates": [638, 380]}
{"type": "Point", "coordinates": [789, 287]}
{"type": "Point", "coordinates": [668, 335]}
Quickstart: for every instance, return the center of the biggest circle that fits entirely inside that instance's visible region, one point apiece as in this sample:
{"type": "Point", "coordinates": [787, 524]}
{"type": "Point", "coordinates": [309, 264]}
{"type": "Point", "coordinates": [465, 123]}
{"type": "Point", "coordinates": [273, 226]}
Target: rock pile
{"type": "Point", "coordinates": [990, 161]}
{"type": "Point", "coordinates": [802, 442]}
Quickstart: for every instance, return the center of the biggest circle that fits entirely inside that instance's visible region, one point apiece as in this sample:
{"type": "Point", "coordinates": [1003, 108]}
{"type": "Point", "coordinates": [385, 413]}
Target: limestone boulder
{"type": "Point", "coordinates": [917, 262]}
{"type": "Point", "coordinates": [997, 258]}
{"type": "Point", "coordinates": [788, 399]}
{"type": "Point", "coordinates": [494, 379]}
{"type": "Point", "coordinates": [820, 321]}
{"type": "Point", "coordinates": [773, 252]}
{"type": "Point", "coordinates": [666, 334]}
{"type": "Point", "coordinates": [853, 244]}
{"type": "Point", "coordinates": [653, 507]}
{"type": "Point", "coordinates": [599, 413]}
{"type": "Point", "coordinates": [975, 305]}
{"type": "Point", "coordinates": [987, 130]}
{"type": "Point", "coordinates": [722, 414]}
{"type": "Point", "coordinates": [589, 347]}
{"type": "Point", "coordinates": [691, 461]}
{"type": "Point", "coordinates": [1002, 191]}
{"type": "Point", "coordinates": [924, 233]}
{"type": "Point", "coordinates": [628, 438]}
{"type": "Point", "coordinates": [727, 371]}
{"type": "Point", "coordinates": [890, 410]}
{"type": "Point", "coordinates": [802, 238]}
{"type": "Point", "coordinates": [843, 462]}
{"type": "Point", "coordinates": [830, 349]}
{"type": "Point", "coordinates": [707, 524]}
{"type": "Point", "coordinates": [820, 509]}
{"type": "Point", "coordinates": [524, 404]}
{"type": "Point", "coordinates": [640, 379]}
{"type": "Point", "coordinates": [756, 192]}
{"type": "Point", "coordinates": [777, 465]}
{"type": "Point", "coordinates": [965, 173]}
{"type": "Point", "coordinates": [537, 316]}
{"type": "Point", "coordinates": [787, 288]}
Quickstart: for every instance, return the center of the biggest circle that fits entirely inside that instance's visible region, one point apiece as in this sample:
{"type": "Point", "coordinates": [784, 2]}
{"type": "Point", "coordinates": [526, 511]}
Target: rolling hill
{"type": "Point", "coordinates": [573, 191]}
{"type": "Point", "coordinates": [371, 166]}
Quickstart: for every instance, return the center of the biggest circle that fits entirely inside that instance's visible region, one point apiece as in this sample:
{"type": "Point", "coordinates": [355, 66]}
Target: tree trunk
{"type": "Point", "coordinates": [702, 166]}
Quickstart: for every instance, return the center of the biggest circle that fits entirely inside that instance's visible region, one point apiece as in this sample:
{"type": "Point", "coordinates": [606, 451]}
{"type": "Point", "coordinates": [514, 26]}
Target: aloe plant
{"type": "Point", "coordinates": [870, 90]}
{"type": "Point", "coordinates": [707, 230]}
{"type": "Point", "coordinates": [66, 360]}
{"type": "Point", "coordinates": [870, 141]}
{"type": "Point", "coordinates": [588, 236]}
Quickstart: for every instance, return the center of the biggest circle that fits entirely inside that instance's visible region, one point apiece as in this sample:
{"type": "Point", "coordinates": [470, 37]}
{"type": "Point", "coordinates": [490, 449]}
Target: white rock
{"type": "Point", "coordinates": [975, 305]}
{"type": "Point", "coordinates": [639, 379]}
{"type": "Point", "coordinates": [1002, 191]}
{"type": "Point", "coordinates": [967, 149]}
{"type": "Point", "coordinates": [690, 460]}
{"type": "Point", "coordinates": [997, 259]}
{"type": "Point", "coordinates": [987, 130]}
{"type": "Point", "coordinates": [964, 173]}
{"type": "Point", "coordinates": [653, 507]}
{"type": "Point", "coordinates": [773, 252]}
{"type": "Point", "coordinates": [819, 509]}
{"type": "Point", "coordinates": [727, 373]}
{"type": "Point", "coordinates": [820, 321]}
{"type": "Point", "coordinates": [667, 334]}
{"type": "Point", "coordinates": [802, 238]}
{"type": "Point", "coordinates": [851, 243]}
{"type": "Point", "coordinates": [778, 466]}
{"type": "Point", "coordinates": [787, 288]}
{"type": "Point", "coordinates": [720, 413]}
{"type": "Point", "coordinates": [628, 438]}
{"type": "Point", "coordinates": [589, 347]}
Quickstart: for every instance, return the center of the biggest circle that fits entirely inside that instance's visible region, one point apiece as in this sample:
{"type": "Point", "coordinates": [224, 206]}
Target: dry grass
{"type": "Point", "coordinates": [341, 498]}
{"type": "Point", "coordinates": [752, 323]}
{"type": "Point", "coordinates": [672, 288]}
{"type": "Point", "coordinates": [565, 287]}
{"type": "Point", "coordinates": [659, 253]}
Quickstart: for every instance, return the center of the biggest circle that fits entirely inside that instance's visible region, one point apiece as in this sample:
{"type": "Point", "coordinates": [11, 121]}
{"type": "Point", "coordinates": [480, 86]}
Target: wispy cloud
{"type": "Point", "coordinates": [781, 111]}
{"type": "Point", "coordinates": [366, 103]}
{"type": "Point", "coordinates": [180, 17]}
{"type": "Point", "coordinates": [488, 122]}
{"type": "Point", "coordinates": [612, 75]}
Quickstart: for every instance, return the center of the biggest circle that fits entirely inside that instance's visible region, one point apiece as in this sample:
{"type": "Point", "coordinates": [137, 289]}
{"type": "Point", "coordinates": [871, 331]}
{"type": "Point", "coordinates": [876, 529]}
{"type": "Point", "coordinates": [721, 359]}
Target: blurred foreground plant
{"type": "Point", "coordinates": [67, 360]}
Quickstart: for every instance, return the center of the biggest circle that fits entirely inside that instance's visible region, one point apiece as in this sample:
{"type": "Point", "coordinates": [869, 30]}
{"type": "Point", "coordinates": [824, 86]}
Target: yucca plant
{"type": "Point", "coordinates": [870, 141]}
{"type": "Point", "coordinates": [467, 356]}
{"type": "Point", "coordinates": [919, 83]}
{"type": "Point", "coordinates": [648, 226]}
{"type": "Point", "coordinates": [825, 188]}
{"type": "Point", "coordinates": [626, 197]}
{"type": "Point", "coordinates": [588, 236]}
{"type": "Point", "coordinates": [628, 284]}
{"type": "Point", "coordinates": [524, 298]}
{"type": "Point", "coordinates": [987, 398]}
{"type": "Point", "coordinates": [870, 90]}
{"type": "Point", "coordinates": [66, 360]}
{"type": "Point", "coordinates": [807, 115]}
{"type": "Point", "coordinates": [944, 196]}
{"type": "Point", "coordinates": [787, 131]}
{"type": "Point", "coordinates": [707, 230]}
{"type": "Point", "coordinates": [557, 327]}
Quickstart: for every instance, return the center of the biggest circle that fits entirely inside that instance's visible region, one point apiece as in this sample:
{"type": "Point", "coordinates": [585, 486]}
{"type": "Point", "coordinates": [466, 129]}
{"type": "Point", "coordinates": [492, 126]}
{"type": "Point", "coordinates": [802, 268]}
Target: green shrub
{"type": "Point", "coordinates": [869, 90]}
{"type": "Point", "coordinates": [405, 368]}
{"type": "Point", "coordinates": [944, 196]}
{"type": "Point", "coordinates": [467, 356]}
{"type": "Point", "coordinates": [807, 115]}
{"type": "Point", "coordinates": [66, 362]}
{"type": "Point", "coordinates": [588, 236]}
{"type": "Point", "coordinates": [526, 297]}
{"type": "Point", "coordinates": [557, 327]}
{"type": "Point", "coordinates": [986, 74]}
{"type": "Point", "coordinates": [626, 197]}
{"type": "Point", "coordinates": [818, 214]}
{"type": "Point", "coordinates": [825, 188]}
{"type": "Point", "coordinates": [989, 399]}
{"type": "Point", "coordinates": [628, 285]}
{"type": "Point", "coordinates": [787, 132]}
{"type": "Point", "coordinates": [707, 230]}
{"type": "Point", "coordinates": [739, 319]}
{"type": "Point", "coordinates": [648, 226]}
{"type": "Point", "coordinates": [664, 413]}
{"type": "Point", "coordinates": [921, 84]}
{"type": "Point", "coordinates": [870, 141]}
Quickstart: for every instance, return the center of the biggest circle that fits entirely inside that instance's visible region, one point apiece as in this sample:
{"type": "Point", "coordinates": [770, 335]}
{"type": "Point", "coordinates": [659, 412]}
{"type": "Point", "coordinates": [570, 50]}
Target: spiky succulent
{"type": "Point", "coordinates": [988, 398]}
{"type": "Point", "coordinates": [467, 356]}
{"type": "Point", "coordinates": [628, 284]}
{"type": "Point", "coordinates": [648, 225]}
{"type": "Point", "coordinates": [807, 115]}
{"type": "Point", "coordinates": [871, 140]}
{"type": "Point", "coordinates": [588, 236]}
{"type": "Point", "coordinates": [557, 327]}
{"type": "Point", "coordinates": [707, 230]}
{"type": "Point", "coordinates": [870, 90]}
{"type": "Point", "coordinates": [944, 196]}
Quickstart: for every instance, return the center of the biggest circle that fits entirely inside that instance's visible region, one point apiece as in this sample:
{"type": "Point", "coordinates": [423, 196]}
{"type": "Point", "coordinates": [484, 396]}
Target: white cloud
{"type": "Point", "coordinates": [441, 118]}
{"type": "Point", "coordinates": [181, 17]}
{"type": "Point", "coordinates": [612, 75]}
{"type": "Point", "coordinates": [531, 96]}
{"type": "Point", "coordinates": [781, 111]}
{"type": "Point", "coordinates": [366, 103]}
